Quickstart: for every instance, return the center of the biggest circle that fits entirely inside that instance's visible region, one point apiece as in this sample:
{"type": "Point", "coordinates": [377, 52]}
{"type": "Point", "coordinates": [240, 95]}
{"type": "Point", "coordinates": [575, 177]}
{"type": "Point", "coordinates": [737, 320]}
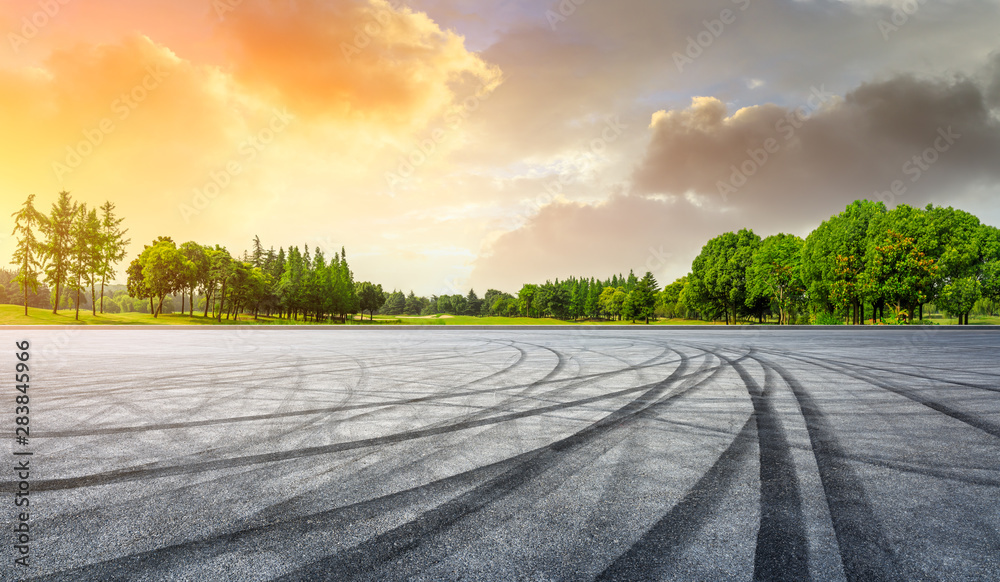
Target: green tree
{"type": "Point", "coordinates": [630, 307]}
{"type": "Point", "coordinates": [94, 257]}
{"type": "Point", "coordinates": [371, 298]}
{"type": "Point", "coordinates": [959, 296]}
{"type": "Point", "coordinates": [83, 253]}
{"type": "Point", "coordinates": [58, 245]}
{"type": "Point", "coordinates": [557, 301]}
{"type": "Point", "coordinates": [473, 304]}
{"type": "Point", "coordinates": [29, 252]}
{"type": "Point", "coordinates": [219, 272]}
{"type": "Point", "coordinates": [645, 295]}
{"type": "Point", "coordinates": [525, 297]}
{"type": "Point", "coordinates": [112, 245]}
{"type": "Point", "coordinates": [606, 301]}
{"type": "Point", "coordinates": [719, 272]}
{"type": "Point", "coordinates": [395, 304]}
{"type": "Point", "coordinates": [163, 270]}
{"type": "Point", "coordinates": [136, 284]}
{"type": "Point", "coordinates": [593, 305]}
{"type": "Point", "coordinates": [774, 272]}
{"type": "Point", "coordinates": [291, 286]}
{"type": "Point", "coordinates": [833, 260]}
{"type": "Point", "coordinates": [196, 266]}
{"type": "Point", "coordinates": [897, 270]}
{"type": "Point", "coordinates": [670, 298]}
{"type": "Point", "coordinates": [988, 238]}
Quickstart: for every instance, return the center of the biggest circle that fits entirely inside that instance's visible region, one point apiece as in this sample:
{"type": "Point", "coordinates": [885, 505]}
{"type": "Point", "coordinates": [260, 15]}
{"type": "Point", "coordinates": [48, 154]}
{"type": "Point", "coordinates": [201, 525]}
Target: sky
{"type": "Point", "coordinates": [457, 144]}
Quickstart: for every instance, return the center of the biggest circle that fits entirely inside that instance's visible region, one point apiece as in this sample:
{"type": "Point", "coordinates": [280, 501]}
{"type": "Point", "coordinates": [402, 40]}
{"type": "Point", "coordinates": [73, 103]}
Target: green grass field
{"type": "Point", "coordinates": [14, 315]}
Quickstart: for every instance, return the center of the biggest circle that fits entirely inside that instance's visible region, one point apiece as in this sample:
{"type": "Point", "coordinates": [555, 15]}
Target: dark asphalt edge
{"type": "Point", "coordinates": [588, 327]}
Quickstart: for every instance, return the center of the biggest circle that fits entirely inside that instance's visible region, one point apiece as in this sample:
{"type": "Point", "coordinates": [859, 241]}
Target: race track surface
{"type": "Point", "coordinates": [570, 454]}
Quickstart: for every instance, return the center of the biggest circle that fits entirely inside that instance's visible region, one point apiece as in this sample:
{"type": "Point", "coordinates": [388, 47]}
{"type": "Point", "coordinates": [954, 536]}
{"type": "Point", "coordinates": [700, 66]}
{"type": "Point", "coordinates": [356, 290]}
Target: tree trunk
{"type": "Point", "coordinates": [102, 296]}
{"type": "Point", "coordinates": [78, 300]}
{"type": "Point", "coordinates": [159, 306]}
{"type": "Point", "coordinates": [921, 312]}
{"type": "Point", "coordinates": [862, 318]}
{"type": "Point", "coordinates": [55, 307]}
{"type": "Point", "coordinates": [222, 300]}
{"type": "Point", "coordinates": [26, 299]}
{"type": "Point", "coordinates": [208, 301]}
{"type": "Point", "coordinates": [191, 303]}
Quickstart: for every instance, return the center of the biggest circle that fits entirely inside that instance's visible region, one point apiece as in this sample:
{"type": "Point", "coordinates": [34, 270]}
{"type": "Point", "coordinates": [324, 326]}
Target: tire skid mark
{"type": "Point", "coordinates": [130, 474]}
{"type": "Point", "coordinates": [147, 383]}
{"type": "Point", "coordinates": [982, 424]}
{"type": "Point", "coordinates": [124, 568]}
{"type": "Point", "coordinates": [660, 546]}
{"type": "Point", "coordinates": [782, 545]}
{"type": "Point", "coordinates": [324, 410]}
{"type": "Point", "coordinates": [374, 408]}
{"type": "Point", "coordinates": [394, 544]}
{"type": "Point", "coordinates": [420, 456]}
{"type": "Point", "coordinates": [570, 383]}
{"type": "Point", "coordinates": [504, 471]}
{"type": "Point", "coordinates": [865, 551]}
{"type": "Point", "coordinates": [868, 366]}
{"type": "Point", "coordinates": [362, 366]}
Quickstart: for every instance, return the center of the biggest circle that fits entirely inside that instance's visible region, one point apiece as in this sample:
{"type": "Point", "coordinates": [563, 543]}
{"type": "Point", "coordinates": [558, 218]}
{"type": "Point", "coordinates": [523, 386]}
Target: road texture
{"type": "Point", "coordinates": [512, 454]}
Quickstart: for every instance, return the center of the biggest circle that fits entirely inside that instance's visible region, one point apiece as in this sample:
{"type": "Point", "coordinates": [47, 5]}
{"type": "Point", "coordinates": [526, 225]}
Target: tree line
{"type": "Point", "coordinates": [854, 266]}
{"type": "Point", "coordinates": [72, 250]}
{"type": "Point", "coordinates": [865, 262]}
{"type": "Point", "coordinates": [616, 298]}
{"type": "Point", "coordinates": [71, 247]}
{"type": "Point", "coordinates": [294, 284]}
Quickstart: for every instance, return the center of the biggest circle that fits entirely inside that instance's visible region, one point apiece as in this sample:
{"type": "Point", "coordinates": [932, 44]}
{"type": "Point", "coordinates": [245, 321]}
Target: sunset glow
{"type": "Point", "coordinates": [450, 144]}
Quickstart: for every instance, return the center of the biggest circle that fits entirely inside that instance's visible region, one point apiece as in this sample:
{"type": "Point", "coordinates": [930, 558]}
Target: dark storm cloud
{"type": "Point", "coordinates": [905, 139]}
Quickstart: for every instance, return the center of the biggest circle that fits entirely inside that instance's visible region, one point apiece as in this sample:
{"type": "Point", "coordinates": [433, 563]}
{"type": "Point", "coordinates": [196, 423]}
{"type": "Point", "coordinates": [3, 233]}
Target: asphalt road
{"type": "Point", "coordinates": [571, 454]}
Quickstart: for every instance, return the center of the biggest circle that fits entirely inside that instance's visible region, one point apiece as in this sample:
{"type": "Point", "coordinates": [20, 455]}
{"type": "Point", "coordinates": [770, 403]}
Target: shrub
{"type": "Point", "coordinates": [827, 319]}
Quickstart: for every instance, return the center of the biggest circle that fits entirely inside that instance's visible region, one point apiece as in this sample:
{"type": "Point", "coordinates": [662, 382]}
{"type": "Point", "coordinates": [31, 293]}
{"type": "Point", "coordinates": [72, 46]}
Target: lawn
{"type": "Point", "coordinates": [472, 320]}
{"type": "Point", "coordinates": [14, 315]}
{"type": "Point", "coordinates": [973, 320]}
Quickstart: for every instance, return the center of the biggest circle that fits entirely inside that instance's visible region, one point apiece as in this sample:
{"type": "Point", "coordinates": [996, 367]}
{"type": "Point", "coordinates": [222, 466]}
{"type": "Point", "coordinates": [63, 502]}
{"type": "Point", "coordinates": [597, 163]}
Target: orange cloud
{"type": "Point", "coordinates": [345, 60]}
